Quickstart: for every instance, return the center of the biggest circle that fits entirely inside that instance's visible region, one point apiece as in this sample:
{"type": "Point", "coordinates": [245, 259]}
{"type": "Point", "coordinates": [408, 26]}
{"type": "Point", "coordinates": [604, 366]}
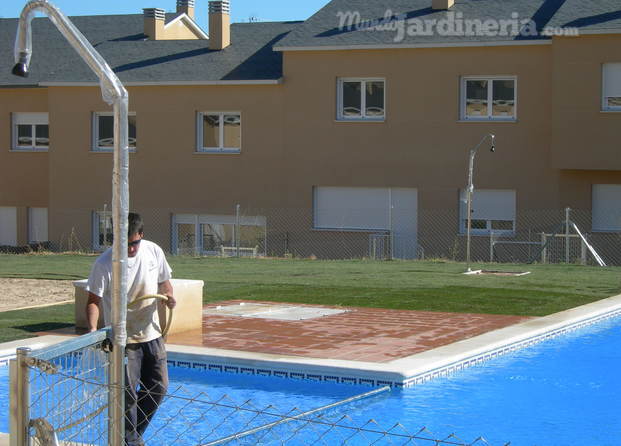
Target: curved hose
{"type": "Point", "coordinates": [159, 297]}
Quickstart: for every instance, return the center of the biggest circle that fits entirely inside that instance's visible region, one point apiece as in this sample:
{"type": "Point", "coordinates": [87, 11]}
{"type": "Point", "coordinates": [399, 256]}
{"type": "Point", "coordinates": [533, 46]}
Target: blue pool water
{"type": "Point", "coordinates": [561, 392]}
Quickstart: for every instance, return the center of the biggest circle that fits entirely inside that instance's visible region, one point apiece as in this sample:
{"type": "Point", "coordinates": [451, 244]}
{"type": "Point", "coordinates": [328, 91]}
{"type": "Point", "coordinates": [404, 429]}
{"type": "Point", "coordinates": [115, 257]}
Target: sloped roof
{"type": "Point", "coordinates": [120, 40]}
{"type": "Point", "coordinates": [325, 28]}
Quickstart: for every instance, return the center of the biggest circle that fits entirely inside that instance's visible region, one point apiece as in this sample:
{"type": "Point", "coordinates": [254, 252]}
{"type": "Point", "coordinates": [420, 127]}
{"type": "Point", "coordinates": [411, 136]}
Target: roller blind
{"type": "Point", "coordinates": [8, 226]}
{"type": "Point", "coordinates": [490, 204]}
{"type": "Point", "coordinates": [352, 208]}
{"type": "Point", "coordinates": [606, 207]}
{"type": "Point", "coordinates": [37, 225]}
{"type": "Point", "coordinates": [612, 80]}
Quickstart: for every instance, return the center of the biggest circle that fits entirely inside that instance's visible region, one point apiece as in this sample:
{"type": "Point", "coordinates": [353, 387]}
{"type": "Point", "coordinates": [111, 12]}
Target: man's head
{"type": "Point", "coordinates": [135, 228]}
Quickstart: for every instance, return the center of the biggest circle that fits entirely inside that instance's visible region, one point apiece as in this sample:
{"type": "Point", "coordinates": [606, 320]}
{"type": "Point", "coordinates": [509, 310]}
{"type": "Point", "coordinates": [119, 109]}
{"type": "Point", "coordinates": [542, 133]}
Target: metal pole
{"type": "Point", "coordinates": [19, 413]}
{"type": "Point", "coordinates": [237, 230]}
{"type": "Point", "coordinates": [120, 206]}
{"type": "Point", "coordinates": [469, 212]}
{"type": "Point", "coordinates": [566, 235]}
{"type": "Point", "coordinates": [105, 225]}
{"type": "Point", "coordinates": [470, 191]}
{"type": "Point", "coordinates": [392, 233]}
{"type": "Point", "coordinates": [114, 94]}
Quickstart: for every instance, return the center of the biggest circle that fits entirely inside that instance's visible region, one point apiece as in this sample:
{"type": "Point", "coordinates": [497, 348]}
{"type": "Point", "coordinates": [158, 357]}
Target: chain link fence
{"type": "Point", "coordinates": [60, 396]}
{"type": "Point", "coordinates": [543, 236]}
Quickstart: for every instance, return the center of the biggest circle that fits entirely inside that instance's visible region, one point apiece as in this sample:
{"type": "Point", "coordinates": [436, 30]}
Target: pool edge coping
{"type": "Point", "coordinates": [402, 372]}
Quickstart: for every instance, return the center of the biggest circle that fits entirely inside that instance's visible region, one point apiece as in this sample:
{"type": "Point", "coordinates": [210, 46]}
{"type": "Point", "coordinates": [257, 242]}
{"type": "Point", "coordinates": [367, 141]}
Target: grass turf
{"type": "Point", "coordinates": [19, 324]}
{"type": "Point", "coordinates": [405, 285]}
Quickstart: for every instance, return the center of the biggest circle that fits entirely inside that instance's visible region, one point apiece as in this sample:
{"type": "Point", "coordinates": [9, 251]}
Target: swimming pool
{"type": "Point", "coordinates": [559, 392]}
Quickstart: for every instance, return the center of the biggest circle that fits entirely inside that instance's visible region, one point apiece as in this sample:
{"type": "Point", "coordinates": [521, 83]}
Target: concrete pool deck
{"type": "Point", "coordinates": [365, 346]}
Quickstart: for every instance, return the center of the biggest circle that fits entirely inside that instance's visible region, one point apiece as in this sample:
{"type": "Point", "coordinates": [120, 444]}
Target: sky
{"type": "Point", "coordinates": [241, 10]}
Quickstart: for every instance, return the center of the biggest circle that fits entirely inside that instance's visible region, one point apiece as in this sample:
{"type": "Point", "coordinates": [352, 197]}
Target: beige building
{"type": "Point", "coordinates": [346, 135]}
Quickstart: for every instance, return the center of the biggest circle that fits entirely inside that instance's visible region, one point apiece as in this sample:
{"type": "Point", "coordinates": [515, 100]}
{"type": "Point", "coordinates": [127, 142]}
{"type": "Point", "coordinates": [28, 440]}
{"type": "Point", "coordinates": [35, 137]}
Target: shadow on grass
{"type": "Point", "coordinates": [18, 324]}
{"type": "Point", "coordinates": [43, 326]}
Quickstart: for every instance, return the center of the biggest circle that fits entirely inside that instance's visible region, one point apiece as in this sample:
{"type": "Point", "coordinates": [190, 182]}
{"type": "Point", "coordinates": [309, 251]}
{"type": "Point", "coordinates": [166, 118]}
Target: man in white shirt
{"type": "Point", "coordinates": [146, 376]}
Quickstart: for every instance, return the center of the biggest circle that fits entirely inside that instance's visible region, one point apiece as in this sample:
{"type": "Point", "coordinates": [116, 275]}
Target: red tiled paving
{"type": "Point", "coordinates": [361, 334]}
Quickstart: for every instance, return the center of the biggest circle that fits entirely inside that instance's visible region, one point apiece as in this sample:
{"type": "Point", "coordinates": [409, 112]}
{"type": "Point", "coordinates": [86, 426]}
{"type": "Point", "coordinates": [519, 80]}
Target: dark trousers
{"type": "Point", "coordinates": [146, 383]}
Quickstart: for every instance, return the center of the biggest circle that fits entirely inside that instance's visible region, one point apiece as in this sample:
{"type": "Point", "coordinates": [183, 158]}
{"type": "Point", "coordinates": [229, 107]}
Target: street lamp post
{"type": "Point", "coordinates": [470, 191]}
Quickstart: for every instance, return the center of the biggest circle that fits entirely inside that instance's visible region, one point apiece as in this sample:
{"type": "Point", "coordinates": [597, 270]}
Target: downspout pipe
{"type": "Point", "coordinates": [116, 95]}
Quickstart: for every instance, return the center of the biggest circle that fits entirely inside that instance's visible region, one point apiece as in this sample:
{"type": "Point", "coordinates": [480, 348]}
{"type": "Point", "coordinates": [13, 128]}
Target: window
{"type": "Point", "coordinates": [492, 210]}
{"type": "Point", "coordinates": [612, 87]}
{"type": "Point", "coordinates": [361, 99]}
{"type": "Point", "coordinates": [219, 132]}
{"type": "Point", "coordinates": [606, 207]}
{"type": "Point", "coordinates": [31, 131]}
{"type": "Point", "coordinates": [219, 235]}
{"type": "Point", "coordinates": [102, 230]}
{"type": "Point", "coordinates": [103, 131]}
{"type": "Point", "coordinates": [489, 98]}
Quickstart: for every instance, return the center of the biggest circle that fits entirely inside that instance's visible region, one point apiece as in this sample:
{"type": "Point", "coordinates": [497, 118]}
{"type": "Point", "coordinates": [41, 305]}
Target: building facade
{"type": "Point", "coordinates": [345, 135]}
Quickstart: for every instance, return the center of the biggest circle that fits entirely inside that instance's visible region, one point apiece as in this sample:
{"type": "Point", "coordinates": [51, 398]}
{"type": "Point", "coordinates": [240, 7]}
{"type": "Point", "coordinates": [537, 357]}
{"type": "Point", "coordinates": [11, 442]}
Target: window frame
{"type": "Point", "coordinates": [200, 135]}
{"type": "Point", "coordinates": [488, 221]}
{"type": "Point", "coordinates": [490, 98]}
{"type": "Point", "coordinates": [95, 147]}
{"type": "Point", "coordinates": [363, 118]}
{"type": "Point", "coordinates": [605, 106]}
{"type": "Point", "coordinates": [32, 119]}
{"type": "Point", "coordinates": [97, 216]}
{"type": "Point", "coordinates": [197, 221]}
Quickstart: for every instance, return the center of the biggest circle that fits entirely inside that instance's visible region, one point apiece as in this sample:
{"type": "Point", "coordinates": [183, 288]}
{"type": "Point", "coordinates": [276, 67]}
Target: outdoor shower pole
{"type": "Point", "coordinates": [114, 94]}
{"type": "Point", "coordinates": [470, 191]}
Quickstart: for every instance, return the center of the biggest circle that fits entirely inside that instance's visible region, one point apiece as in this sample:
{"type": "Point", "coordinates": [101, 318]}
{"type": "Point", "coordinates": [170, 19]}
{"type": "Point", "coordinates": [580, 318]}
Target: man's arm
{"type": "Point", "coordinates": [166, 289]}
{"type": "Point", "coordinates": [92, 311]}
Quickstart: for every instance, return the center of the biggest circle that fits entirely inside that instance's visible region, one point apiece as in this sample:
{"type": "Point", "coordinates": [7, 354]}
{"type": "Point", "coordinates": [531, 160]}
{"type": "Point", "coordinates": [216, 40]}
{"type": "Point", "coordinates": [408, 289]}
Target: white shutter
{"type": "Point", "coordinates": [612, 80]}
{"type": "Point", "coordinates": [31, 118]}
{"type": "Point", "coordinates": [8, 226]}
{"type": "Point", "coordinates": [37, 225]}
{"type": "Point", "coordinates": [606, 207]}
{"type": "Point", "coordinates": [352, 208]}
{"type": "Point", "coordinates": [245, 220]}
{"type": "Point", "coordinates": [490, 204]}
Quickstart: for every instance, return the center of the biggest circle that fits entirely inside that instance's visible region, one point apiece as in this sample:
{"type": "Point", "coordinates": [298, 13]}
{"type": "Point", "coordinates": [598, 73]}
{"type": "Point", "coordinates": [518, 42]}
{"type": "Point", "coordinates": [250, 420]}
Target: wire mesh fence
{"type": "Point", "coordinates": [541, 236]}
{"type": "Point", "coordinates": [63, 400]}
{"type": "Point", "coordinates": [61, 393]}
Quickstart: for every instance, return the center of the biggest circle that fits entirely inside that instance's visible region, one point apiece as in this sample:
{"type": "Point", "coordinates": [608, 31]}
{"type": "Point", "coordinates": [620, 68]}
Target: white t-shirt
{"type": "Point", "coordinates": [145, 272]}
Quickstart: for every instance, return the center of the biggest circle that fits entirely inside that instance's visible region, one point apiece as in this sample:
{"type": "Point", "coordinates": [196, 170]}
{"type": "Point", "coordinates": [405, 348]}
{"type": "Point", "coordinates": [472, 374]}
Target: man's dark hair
{"type": "Point", "coordinates": [134, 224]}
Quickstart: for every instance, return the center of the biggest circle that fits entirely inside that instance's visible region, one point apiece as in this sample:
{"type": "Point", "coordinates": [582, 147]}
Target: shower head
{"type": "Point", "coordinates": [20, 69]}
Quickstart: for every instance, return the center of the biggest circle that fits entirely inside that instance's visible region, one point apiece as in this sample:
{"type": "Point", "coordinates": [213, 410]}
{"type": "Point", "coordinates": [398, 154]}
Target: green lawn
{"type": "Point", "coordinates": [411, 285]}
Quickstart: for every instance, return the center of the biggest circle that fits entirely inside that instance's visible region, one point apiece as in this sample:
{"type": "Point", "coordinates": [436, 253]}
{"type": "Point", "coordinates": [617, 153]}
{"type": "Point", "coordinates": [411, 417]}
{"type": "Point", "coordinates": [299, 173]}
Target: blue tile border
{"type": "Point", "coordinates": [369, 380]}
{"type": "Point", "coordinates": [421, 378]}
{"type": "Point", "coordinates": [505, 349]}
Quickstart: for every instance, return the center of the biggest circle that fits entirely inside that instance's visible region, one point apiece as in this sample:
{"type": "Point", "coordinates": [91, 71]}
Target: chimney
{"type": "Point", "coordinates": [186, 7]}
{"type": "Point", "coordinates": [154, 19]}
{"type": "Point", "coordinates": [442, 4]}
{"type": "Point", "coordinates": [219, 25]}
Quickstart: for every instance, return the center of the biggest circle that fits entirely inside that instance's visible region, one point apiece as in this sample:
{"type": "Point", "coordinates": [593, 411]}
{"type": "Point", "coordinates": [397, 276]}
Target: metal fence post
{"type": "Point", "coordinates": [567, 234]}
{"type": "Point", "coordinates": [491, 246]}
{"type": "Point", "coordinates": [544, 251]}
{"type": "Point", "coordinates": [19, 398]}
{"type": "Point", "coordinates": [237, 230]}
